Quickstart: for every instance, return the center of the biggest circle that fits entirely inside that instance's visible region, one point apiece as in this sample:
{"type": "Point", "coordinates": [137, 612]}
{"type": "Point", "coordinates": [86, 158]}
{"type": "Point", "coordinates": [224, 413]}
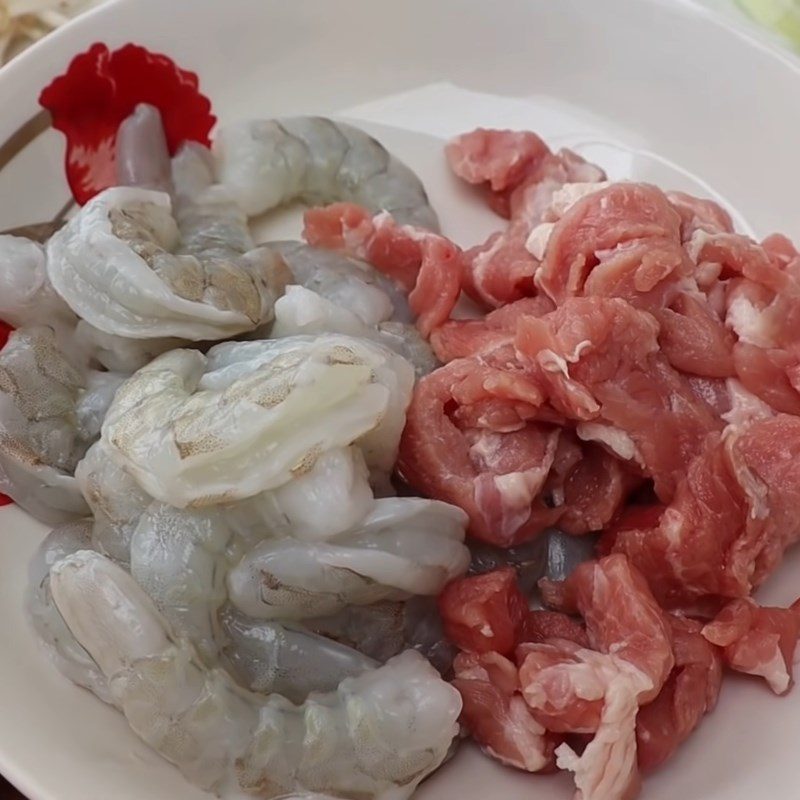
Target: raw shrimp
{"type": "Point", "coordinates": [180, 558]}
{"type": "Point", "coordinates": [130, 282]}
{"type": "Point", "coordinates": [94, 401]}
{"type": "Point", "coordinates": [382, 630]}
{"type": "Point", "coordinates": [405, 546]}
{"type": "Point", "coordinates": [348, 282]}
{"type": "Point", "coordinates": [376, 736]}
{"type": "Point", "coordinates": [115, 499]}
{"type": "Point", "coordinates": [70, 658]}
{"type": "Point", "coordinates": [332, 497]}
{"type": "Point", "coordinates": [267, 163]}
{"type": "Point", "coordinates": [39, 439]}
{"type": "Point", "coordinates": [301, 311]}
{"type": "Point", "coordinates": [119, 353]}
{"type": "Point", "coordinates": [26, 296]}
{"type": "Point", "coordinates": [198, 429]}
{"type": "Point", "coordinates": [266, 656]}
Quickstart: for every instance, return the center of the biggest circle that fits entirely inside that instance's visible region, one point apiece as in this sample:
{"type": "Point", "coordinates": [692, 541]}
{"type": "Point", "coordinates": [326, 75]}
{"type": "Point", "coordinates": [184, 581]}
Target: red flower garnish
{"type": "Point", "coordinates": [100, 89]}
{"type": "Point", "coordinates": [5, 330]}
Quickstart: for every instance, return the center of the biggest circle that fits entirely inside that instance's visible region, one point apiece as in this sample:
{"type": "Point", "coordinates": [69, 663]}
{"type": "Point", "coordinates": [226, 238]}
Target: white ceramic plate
{"type": "Point", "coordinates": [653, 90]}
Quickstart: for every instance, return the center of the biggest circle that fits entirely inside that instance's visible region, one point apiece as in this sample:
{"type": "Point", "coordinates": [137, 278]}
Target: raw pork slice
{"type": "Point", "coordinates": [732, 518]}
{"type": "Point", "coordinates": [460, 445]}
{"type": "Point", "coordinates": [424, 263]}
{"type": "Point", "coordinates": [690, 692]}
{"type": "Point", "coordinates": [758, 640]}
{"type": "Point", "coordinates": [523, 175]}
{"type": "Point", "coordinates": [599, 362]}
{"type": "Point", "coordinates": [622, 241]}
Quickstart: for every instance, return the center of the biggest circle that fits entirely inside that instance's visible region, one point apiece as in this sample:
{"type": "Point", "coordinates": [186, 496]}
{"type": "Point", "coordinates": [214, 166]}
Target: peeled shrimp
{"type": "Point", "coordinates": [266, 656]}
{"type": "Point", "coordinates": [332, 497]}
{"type": "Point", "coordinates": [268, 163]}
{"type": "Point", "coordinates": [301, 311]}
{"type": "Point", "coordinates": [180, 558]}
{"type": "Point", "coordinates": [115, 499]}
{"type": "Point", "coordinates": [26, 296]}
{"type": "Point", "coordinates": [115, 264]}
{"type": "Point", "coordinates": [376, 736]}
{"type": "Point", "coordinates": [70, 658]}
{"type": "Point", "coordinates": [405, 546]}
{"type": "Point", "coordinates": [347, 282]}
{"type": "Point", "coordinates": [196, 430]}
{"type": "Point", "coordinates": [40, 443]}
{"type": "Point", "coordinates": [382, 630]}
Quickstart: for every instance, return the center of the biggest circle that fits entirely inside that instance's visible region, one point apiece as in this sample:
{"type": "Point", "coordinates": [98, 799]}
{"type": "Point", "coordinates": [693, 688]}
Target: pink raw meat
{"type": "Point", "coordinates": [594, 490]}
{"type": "Point", "coordinates": [484, 613]}
{"type": "Point", "coordinates": [690, 692]}
{"type": "Point", "coordinates": [500, 158]}
{"type": "Point", "coordinates": [733, 515]}
{"type": "Point", "coordinates": [694, 338]}
{"type": "Point", "coordinates": [698, 213]}
{"type": "Point", "coordinates": [495, 476]}
{"type": "Point", "coordinates": [424, 263]}
{"type": "Point", "coordinates": [497, 716]}
{"type": "Point", "coordinates": [599, 362]}
{"type": "Point", "coordinates": [757, 640]}
{"type": "Point", "coordinates": [622, 241]}
{"type": "Point", "coordinates": [575, 690]}
{"type": "Point", "coordinates": [523, 175]}
{"type": "Point", "coordinates": [622, 616]}
{"type": "Point", "coordinates": [461, 338]}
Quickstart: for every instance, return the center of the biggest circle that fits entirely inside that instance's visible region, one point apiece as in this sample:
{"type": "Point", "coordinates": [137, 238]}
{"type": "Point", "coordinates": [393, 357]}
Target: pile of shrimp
{"type": "Point", "coordinates": [212, 425]}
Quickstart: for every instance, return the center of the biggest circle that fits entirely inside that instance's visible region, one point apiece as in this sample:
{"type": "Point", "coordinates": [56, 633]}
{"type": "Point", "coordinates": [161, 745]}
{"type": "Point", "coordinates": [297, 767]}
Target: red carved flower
{"type": "Point", "coordinates": [100, 89]}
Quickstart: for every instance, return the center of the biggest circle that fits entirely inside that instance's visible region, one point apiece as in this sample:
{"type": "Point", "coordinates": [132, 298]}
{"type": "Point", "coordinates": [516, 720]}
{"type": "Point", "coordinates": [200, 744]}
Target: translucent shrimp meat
{"type": "Point", "coordinates": [268, 163]}
{"type": "Point", "coordinates": [347, 282]}
{"type": "Point", "coordinates": [180, 558]}
{"type": "Point", "coordinates": [39, 439]}
{"type": "Point", "coordinates": [382, 630]}
{"type": "Point", "coordinates": [26, 296]}
{"type": "Point", "coordinates": [405, 546]}
{"type": "Point", "coordinates": [116, 265]}
{"type": "Point", "coordinates": [116, 501]}
{"type": "Point", "coordinates": [377, 736]}
{"type": "Point", "coordinates": [266, 656]}
{"type": "Point", "coordinates": [301, 311]}
{"type": "Point", "coordinates": [119, 353]}
{"type": "Point", "coordinates": [70, 658]}
{"type": "Point", "coordinates": [332, 497]}
{"type": "Point", "coordinates": [195, 430]}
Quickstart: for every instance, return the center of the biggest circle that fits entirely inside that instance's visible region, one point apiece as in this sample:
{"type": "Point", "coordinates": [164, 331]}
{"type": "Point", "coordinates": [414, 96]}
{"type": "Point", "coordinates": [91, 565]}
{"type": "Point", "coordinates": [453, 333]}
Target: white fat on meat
{"type": "Point", "coordinates": [615, 439]}
{"type": "Point", "coordinates": [746, 408]}
{"type": "Point", "coordinates": [607, 768]}
{"type": "Point", "coordinates": [747, 322]}
{"type": "Point", "coordinates": [562, 201]}
{"type": "Point", "coordinates": [553, 362]}
{"type": "Point", "coordinates": [772, 670]}
{"type": "Point", "coordinates": [537, 241]}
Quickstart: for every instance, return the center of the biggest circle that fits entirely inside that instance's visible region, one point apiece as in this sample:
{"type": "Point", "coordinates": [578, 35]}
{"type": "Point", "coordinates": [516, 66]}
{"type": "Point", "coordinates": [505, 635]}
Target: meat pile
{"type": "Point", "coordinates": [635, 371]}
